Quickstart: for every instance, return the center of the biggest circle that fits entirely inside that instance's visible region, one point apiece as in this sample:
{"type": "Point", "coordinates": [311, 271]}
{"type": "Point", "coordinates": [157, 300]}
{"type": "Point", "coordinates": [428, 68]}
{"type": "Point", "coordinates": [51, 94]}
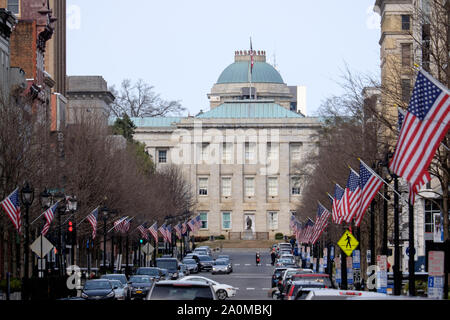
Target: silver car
{"type": "Point", "coordinates": [119, 289]}
{"type": "Point", "coordinates": [221, 266]}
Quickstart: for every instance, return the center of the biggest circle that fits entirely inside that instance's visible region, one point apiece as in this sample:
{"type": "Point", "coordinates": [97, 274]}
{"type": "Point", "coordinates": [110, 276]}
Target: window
{"type": "Point", "coordinates": [227, 152]}
{"type": "Point", "coordinates": [205, 152]}
{"type": "Point", "coordinates": [272, 187]}
{"type": "Point", "coordinates": [250, 152]}
{"type": "Point", "coordinates": [431, 209]}
{"type": "Point", "coordinates": [295, 186]}
{"type": "Point", "coordinates": [226, 187]}
{"type": "Point", "coordinates": [203, 186]}
{"type": "Point", "coordinates": [226, 220]}
{"type": "Point", "coordinates": [272, 151]}
{"type": "Point", "coordinates": [405, 22]}
{"type": "Point", "coordinates": [406, 55]}
{"type": "Point", "coordinates": [13, 6]}
{"type": "Point", "coordinates": [273, 220]}
{"type": "Point", "coordinates": [204, 220]}
{"type": "Point", "coordinates": [406, 90]}
{"type": "Point", "coordinates": [296, 152]}
{"type": "Point", "coordinates": [162, 156]}
{"type": "Point", "coordinates": [249, 187]}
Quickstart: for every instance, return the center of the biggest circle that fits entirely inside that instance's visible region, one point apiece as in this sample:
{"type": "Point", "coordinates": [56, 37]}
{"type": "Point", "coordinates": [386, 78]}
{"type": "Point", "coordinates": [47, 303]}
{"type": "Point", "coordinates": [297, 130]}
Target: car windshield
{"type": "Point", "coordinates": [150, 272]}
{"type": "Point", "coordinates": [220, 263]}
{"type": "Point", "coordinates": [167, 264]}
{"type": "Point", "coordinates": [181, 292]}
{"type": "Point", "coordinates": [205, 258]}
{"type": "Point", "coordinates": [116, 284]}
{"type": "Point", "coordinates": [98, 285]}
{"type": "Point", "coordinates": [121, 277]}
{"type": "Point", "coordinates": [189, 261]}
{"type": "Point", "coordinates": [140, 279]}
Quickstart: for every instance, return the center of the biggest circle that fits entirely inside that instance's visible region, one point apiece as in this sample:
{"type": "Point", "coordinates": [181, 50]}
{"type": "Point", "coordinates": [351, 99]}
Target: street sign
{"type": "Point", "coordinates": [435, 287]}
{"type": "Point", "coordinates": [46, 246]}
{"type": "Point", "coordinates": [147, 249]}
{"type": "Point", "coordinates": [436, 263]}
{"type": "Point", "coordinates": [349, 270]}
{"type": "Point", "coordinates": [348, 243]}
{"type": "Point", "coordinates": [356, 255]}
{"type": "Point", "coordinates": [382, 274]}
{"type": "Point", "coordinates": [332, 253]}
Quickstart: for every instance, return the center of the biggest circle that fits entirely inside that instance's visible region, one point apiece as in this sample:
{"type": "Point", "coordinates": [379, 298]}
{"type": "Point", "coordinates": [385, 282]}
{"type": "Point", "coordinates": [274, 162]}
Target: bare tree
{"type": "Point", "coordinates": [139, 100]}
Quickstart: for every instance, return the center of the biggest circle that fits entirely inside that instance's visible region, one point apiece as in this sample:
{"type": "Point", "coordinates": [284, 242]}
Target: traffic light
{"type": "Point", "coordinates": [70, 226]}
{"type": "Point", "coordinates": [141, 241]}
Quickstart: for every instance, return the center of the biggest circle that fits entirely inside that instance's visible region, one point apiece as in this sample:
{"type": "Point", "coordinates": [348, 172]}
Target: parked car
{"type": "Point", "coordinates": [223, 291]}
{"type": "Point", "coordinates": [284, 252]}
{"type": "Point", "coordinates": [122, 278]}
{"type": "Point", "coordinates": [286, 262]}
{"type": "Point", "coordinates": [140, 286]}
{"type": "Point", "coordinates": [335, 294]}
{"type": "Point", "coordinates": [221, 266]}
{"type": "Point", "coordinates": [119, 290]}
{"type": "Point", "coordinates": [99, 289]}
{"type": "Point", "coordinates": [181, 290]}
{"type": "Point", "coordinates": [191, 264]}
{"type": "Point", "coordinates": [171, 264]}
{"type": "Point", "coordinates": [284, 246]}
{"type": "Point", "coordinates": [206, 262]}
{"type": "Point", "coordinates": [152, 272]}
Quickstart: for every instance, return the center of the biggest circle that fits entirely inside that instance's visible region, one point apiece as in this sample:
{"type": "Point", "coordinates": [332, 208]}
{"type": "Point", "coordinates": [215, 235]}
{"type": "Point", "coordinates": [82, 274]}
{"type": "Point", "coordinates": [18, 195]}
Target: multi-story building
{"type": "Point", "coordinates": [241, 158]}
{"type": "Point", "coordinates": [7, 22]}
{"type": "Point", "coordinates": [406, 31]}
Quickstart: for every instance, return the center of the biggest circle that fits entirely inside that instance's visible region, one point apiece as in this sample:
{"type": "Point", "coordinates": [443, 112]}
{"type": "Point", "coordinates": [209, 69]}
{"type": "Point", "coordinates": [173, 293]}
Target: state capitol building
{"type": "Point", "coordinates": [241, 156]}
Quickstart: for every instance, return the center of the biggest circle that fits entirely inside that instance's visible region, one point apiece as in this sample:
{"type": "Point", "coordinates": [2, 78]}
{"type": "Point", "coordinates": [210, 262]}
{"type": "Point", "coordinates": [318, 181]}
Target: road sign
{"type": "Point", "coordinates": [435, 287]}
{"type": "Point", "coordinates": [436, 263]}
{"type": "Point", "coordinates": [147, 249]}
{"type": "Point", "coordinates": [348, 243]}
{"type": "Point", "coordinates": [46, 246]}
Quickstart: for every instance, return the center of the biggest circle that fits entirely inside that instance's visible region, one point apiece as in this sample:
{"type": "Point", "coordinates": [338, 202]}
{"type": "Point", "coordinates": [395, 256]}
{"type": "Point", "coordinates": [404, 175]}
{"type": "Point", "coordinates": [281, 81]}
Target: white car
{"type": "Point", "coordinates": [287, 255]}
{"type": "Point", "coordinates": [223, 291]}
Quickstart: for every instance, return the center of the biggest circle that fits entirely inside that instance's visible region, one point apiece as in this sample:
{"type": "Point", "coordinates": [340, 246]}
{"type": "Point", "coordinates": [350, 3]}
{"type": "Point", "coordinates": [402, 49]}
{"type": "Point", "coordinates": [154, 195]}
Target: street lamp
{"type": "Point", "coordinates": [61, 198]}
{"type": "Point", "coordinates": [45, 199]}
{"type": "Point", "coordinates": [105, 212]}
{"type": "Point", "coordinates": [27, 197]}
{"type": "Point", "coordinates": [112, 212]}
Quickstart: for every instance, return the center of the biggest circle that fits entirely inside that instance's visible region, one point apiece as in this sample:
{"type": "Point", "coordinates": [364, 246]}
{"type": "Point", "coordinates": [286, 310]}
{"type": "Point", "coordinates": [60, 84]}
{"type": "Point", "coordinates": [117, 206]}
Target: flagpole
{"type": "Point", "coordinates": [41, 215]}
{"type": "Point", "coordinates": [389, 186]}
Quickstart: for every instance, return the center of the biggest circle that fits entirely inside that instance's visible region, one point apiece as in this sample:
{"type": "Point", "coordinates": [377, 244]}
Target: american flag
{"type": "Point", "coordinates": [191, 225]}
{"type": "Point", "coordinates": [184, 228]}
{"type": "Point", "coordinates": [424, 126]}
{"type": "Point", "coordinates": [144, 231]}
{"type": "Point", "coordinates": [169, 233]}
{"type": "Point", "coordinates": [413, 189]}
{"type": "Point", "coordinates": [93, 218]}
{"type": "Point", "coordinates": [350, 200]}
{"type": "Point", "coordinates": [177, 229]}
{"type": "Point", "coordinates": [338, 194]}
{"type": "Point", "coordinates": [12, 207]}
{"type": "Point", "coordinates": [49, 214]}
{"type": "Point", "coordinates": [119, 224]}
{"type": "Point", "coordinates": [370, 184]}
{"type": "Point", "coordinates": [126, 225]}
{"type": "Point", "coordinates": [162, 229]}
{"type": "Point", "coordinates": [307, 231]}
{"type": "Point", "coordinates": [198, 222]}
{"type": "Point", "coordinates": [321, 223]}
{"type": "Point", "coordinates": [154, 231]}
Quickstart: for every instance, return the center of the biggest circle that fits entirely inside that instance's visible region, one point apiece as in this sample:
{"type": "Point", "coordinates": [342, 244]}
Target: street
{"type": "Point", "coordinates": [253, 281]}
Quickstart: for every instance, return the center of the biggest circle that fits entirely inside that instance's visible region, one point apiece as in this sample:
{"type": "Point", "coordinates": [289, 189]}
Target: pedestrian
{"type": "Point", "coordinates": [273, 255]}
{"type": "Point", "coordinates": [258, 259]}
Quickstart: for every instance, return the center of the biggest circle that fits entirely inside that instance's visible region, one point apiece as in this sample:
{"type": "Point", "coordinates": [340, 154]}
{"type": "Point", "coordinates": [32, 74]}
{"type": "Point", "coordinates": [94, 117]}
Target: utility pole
{"type": "Point", "coordinates": [397, 274]}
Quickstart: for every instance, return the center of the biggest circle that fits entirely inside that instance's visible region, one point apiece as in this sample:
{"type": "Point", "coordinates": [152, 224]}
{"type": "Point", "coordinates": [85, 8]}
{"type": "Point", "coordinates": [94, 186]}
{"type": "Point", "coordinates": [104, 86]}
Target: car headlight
{"type": "Point", "coordinates": [111, 294]}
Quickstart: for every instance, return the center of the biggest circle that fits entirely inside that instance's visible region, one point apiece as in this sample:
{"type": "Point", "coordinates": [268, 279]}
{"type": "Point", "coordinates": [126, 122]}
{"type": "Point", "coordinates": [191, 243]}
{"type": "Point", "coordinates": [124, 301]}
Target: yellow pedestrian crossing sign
{"type": "Point", "coordinates": [348, 243]}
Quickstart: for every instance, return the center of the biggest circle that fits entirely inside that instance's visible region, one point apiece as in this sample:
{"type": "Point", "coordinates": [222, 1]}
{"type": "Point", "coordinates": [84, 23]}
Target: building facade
{"type": "Point", "coordinates": [241, 157]}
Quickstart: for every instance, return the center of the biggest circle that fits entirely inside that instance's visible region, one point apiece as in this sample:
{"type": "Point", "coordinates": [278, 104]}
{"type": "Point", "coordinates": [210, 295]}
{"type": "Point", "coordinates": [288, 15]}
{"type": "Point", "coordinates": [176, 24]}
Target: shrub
{"type": "Point", "coordinates": [15, 285]}
{"type": "Point", "coordinates": [201, 239]}
{"type": "Point", "coordinates": [279, 236]}
{"type": "Point", "coordinates": [221, 237]}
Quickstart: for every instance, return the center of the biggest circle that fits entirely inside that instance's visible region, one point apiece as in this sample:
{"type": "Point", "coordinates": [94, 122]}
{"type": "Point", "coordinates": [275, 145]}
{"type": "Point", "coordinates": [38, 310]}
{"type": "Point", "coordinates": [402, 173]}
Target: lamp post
{"type": "Point", "coordinates": [112, 212]}
{"type": "Point", "coordinates": [60, 197]}
{"type": "Point", "coordinates": [105, 212]}
{"type": "Point", "coordinates": [46, 202]}
{"type": "Point", "coordinates": [27, 197]}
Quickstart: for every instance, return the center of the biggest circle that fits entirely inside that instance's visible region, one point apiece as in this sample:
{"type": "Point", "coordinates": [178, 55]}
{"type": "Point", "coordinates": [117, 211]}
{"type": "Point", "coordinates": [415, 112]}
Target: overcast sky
{"type": "Point", "coordinates": [181, 47]}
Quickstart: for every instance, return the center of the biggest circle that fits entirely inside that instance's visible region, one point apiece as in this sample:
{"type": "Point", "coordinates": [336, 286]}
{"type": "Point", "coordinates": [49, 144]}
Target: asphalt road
{"type": "Point", "coordinates": [253, 281]}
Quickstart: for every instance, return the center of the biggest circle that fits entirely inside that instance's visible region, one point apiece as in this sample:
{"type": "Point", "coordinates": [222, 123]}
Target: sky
{"type": "Point", "coordinates": [181, 47]}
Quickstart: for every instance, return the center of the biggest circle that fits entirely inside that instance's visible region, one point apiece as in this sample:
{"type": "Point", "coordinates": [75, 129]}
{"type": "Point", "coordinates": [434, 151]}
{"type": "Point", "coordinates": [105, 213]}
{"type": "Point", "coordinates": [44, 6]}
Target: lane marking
{"type": "Point", "coordinates": [250, 288]}
{"type": "Point", "coordinates": [247, 264]}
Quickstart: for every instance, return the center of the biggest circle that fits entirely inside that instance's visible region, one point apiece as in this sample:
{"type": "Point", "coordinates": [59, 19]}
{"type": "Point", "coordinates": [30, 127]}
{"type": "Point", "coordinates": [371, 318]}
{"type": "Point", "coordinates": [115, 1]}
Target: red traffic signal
{"type": "Point", "coordinates": [70, 226]}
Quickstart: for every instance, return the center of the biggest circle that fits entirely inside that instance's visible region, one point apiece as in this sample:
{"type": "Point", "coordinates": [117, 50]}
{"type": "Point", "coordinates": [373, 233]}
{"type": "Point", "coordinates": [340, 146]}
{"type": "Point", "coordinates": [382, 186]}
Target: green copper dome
{"type": "Point", "coordinates": [238, 72]}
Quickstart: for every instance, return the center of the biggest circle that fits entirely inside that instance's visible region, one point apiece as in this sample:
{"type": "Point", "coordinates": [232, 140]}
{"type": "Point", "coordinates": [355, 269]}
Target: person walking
{"type": "Point", "coordinates": [273, 255]}
{"type": "Point", "coordinates": [258, 259]}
